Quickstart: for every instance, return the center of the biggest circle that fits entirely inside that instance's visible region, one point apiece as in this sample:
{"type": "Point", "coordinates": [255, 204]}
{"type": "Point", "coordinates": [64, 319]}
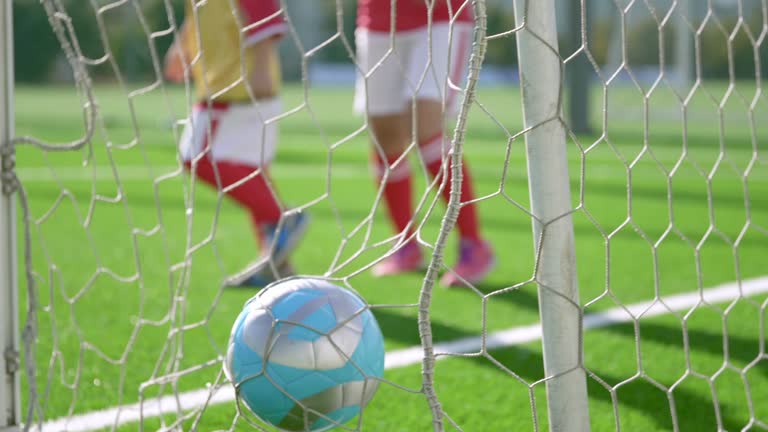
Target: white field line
{"type": "Point", "coordinates": [156, 407]}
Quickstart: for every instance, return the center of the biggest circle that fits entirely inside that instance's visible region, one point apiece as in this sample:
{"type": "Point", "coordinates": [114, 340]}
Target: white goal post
{"type": "Point", "coordinates": [541, 82]}
{"type": "Point", "coordinates": [10, 383]}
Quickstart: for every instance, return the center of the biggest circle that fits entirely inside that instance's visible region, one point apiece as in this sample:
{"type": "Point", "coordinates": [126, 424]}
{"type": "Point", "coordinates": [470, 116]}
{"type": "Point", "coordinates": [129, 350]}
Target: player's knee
{"type": "Point", "coordinates": [390, 133]}
{"type": "Point", "coordinates": [429, 119]}
{"type": "Point", "coordinates": [392, 144]}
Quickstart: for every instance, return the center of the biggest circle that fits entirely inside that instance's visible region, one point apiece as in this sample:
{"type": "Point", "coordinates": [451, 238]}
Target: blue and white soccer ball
{"type": "Point", "coordinates": [305, 355]}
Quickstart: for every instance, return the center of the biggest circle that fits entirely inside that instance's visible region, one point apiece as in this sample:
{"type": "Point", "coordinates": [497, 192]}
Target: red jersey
{"type": "Point", "coordinates": [374, 15]}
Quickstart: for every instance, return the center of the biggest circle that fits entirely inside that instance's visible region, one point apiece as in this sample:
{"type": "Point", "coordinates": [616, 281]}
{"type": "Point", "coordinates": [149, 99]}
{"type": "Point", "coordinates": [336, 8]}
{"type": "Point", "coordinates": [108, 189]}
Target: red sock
{"type": "Point", "coordinates": [397, 190]}
{"type": "Point", "coordinates": [253, 194]}
{"type": "Point", "coordinates": [432, 153]}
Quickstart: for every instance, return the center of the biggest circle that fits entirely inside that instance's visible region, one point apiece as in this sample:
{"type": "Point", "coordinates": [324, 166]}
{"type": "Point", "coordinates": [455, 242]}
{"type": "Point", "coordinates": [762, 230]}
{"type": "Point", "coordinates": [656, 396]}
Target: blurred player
{"type": "Point", "coordinates": [236, 70]}
{"type": "Point", "coordinates": [411, 72]}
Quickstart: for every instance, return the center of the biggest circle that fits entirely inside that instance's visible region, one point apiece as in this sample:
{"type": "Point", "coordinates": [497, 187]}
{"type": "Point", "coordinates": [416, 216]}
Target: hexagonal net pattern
{"type": "Point", "coordinates": [610, 153]}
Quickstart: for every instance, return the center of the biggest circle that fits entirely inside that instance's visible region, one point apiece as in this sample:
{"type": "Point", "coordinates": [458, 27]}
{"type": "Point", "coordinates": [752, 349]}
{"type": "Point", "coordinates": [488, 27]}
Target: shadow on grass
{"type": "Point", "coordinates": [741, 349]}
{"type": "Point", "coordinates": [694, 410]}
{"type": "Point", "coordinates": [404, 329]}
{"type": "Point", "coordinates": [638, 395]}
{"type": "Point", "coordinates": [525, 297]}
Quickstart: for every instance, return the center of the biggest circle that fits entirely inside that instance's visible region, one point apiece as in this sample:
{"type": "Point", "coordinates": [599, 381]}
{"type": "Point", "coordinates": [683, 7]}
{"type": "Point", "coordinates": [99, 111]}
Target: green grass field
{"type": "Point", "coordinates": [112, 240]}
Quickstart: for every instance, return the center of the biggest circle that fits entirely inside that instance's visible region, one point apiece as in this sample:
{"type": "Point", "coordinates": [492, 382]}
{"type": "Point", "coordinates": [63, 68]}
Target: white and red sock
{"type": "Point", "coordinates": [397, 189]}
{"type": "Point", "coordinates": [432, 153]}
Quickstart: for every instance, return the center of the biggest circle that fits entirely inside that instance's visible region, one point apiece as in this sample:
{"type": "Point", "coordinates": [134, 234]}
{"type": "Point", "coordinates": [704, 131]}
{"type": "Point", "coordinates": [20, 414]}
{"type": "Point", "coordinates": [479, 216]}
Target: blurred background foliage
{"type": "Point", "coordinates": [139, 25]}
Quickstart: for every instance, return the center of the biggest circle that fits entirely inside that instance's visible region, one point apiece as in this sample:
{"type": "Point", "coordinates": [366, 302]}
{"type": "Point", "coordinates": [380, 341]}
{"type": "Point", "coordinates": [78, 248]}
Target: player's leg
{"type": "Point", "coordinates": [392, 170]}
{"type": "Point", "coordinates": [476, 258]}
{"type": "Point", "coordinates": [240, 140]}
{"type": "Point", "coordinates": [256, 197]}
{"type": "Point", "coordinates": [433, 146]}
{"type": "Point", "coordinates": [449, 59]}
{"type": "Point", "coordinates": [393, 174]}
{"type": "Point", "coordinates": [281, 238]}
{"type": "Point", "coordinates": [239, 183]}
{"type": "Point", "coordinates": [379, 95]}
{"type": "Point", "coordinates": [247, 182]}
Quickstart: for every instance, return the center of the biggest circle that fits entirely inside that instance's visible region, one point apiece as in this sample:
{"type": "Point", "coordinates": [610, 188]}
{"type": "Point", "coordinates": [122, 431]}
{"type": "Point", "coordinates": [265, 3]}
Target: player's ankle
{"type": "Point", "coordinates": [471, 238]}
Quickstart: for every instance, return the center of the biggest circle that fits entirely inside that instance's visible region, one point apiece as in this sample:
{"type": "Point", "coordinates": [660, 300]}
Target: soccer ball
{"type": "Point", "coordinates": [305, 355]}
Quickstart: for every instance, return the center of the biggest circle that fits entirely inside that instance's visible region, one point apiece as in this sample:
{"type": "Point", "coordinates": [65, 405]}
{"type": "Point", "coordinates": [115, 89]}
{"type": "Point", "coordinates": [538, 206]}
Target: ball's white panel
{"type": "Point", "coordinates": [270, 296]}
{"type": "Point", "coordinates": [353, 393]}
{"type": "Point", "coordinates": [358, 392]}
{"type": "Point", "coordinates": [370, 389]}
{"type": "Point", "coordinates": [291, 352]}
{"type": "Point", "coordinates": [256, 330]}
{"type": "Point", "coordinates": [344, 307]}
{"type": "Point", "coordinates": [345, 342]}
{"type": "Point", "coordinates": [328, 356]}
{"type": "Point", "coordinates": [228, 365]}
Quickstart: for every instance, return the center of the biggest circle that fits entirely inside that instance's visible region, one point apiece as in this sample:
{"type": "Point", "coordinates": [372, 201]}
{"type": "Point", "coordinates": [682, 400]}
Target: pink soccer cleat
{"type": "Point", "coordinates": [476, 260]}
{"type": "Point", "coordinates": [407, 259]}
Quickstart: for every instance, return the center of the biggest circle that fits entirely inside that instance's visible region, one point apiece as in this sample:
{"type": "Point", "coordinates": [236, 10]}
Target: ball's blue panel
{"type": "Point", "coordinates": [242, 361]}
{"type": "Point", "coordinates": [283, 375]}
{"type": "Point", "coordinates": [290, 303]}
{"type": "Point", "coordinates": [320, 321]}
{"type": "Point", "coordinates": [369, 355]}
{"type": "Point", "coordinates": [266, 401]}
{"type": "Point", "coordinates": [239, 321]}
{"type": "Point", "coordinates": [344, 374]}
{"type": "Point", "coordinates": [340, 416]}
{"type": "Point", "coordinates": [300, 383]}
{"type": "Point", "coordinates": [311, 384]}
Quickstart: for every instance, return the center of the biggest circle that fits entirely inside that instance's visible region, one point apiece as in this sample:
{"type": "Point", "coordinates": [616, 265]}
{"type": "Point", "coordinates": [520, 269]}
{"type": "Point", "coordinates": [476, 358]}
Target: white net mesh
{"type": "Point", "coordinates": [124, 310]}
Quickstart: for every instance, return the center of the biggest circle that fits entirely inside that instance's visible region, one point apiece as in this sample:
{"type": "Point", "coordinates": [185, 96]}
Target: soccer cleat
{"type": "Point", "coordinates": [407, 259]}
{"type": "Point", "coordinates": [280, 242]}
{"type": "Point", "coordinates": [476, 260]}
{"type": "Point", "coordinates": [262, 276]}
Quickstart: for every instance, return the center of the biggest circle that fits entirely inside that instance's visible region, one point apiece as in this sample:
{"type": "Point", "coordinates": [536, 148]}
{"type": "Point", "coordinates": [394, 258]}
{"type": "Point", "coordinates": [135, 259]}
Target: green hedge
{"type": "Point", "coordinates": [37, 49]}
{"type": "Point", "coordinates": [714, 46]}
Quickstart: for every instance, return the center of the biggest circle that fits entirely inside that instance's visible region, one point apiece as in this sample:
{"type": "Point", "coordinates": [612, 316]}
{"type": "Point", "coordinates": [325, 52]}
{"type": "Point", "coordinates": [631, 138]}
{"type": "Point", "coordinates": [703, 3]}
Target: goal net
{"type": "Point", "coordinates": [617, 152]}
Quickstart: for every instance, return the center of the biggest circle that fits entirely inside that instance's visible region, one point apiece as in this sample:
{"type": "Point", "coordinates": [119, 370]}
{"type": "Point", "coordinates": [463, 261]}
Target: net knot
{"type": "Point", "coordinates": [8, 179]}
{"type": "Point", "coordinates": [12, 361]}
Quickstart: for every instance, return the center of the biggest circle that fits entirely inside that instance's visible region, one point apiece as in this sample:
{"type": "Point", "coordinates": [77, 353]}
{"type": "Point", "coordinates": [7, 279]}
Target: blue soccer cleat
{"type": "Point", "coordinates": [281, 239]}
{"type": "Point", "coordinates": [262, 276]}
